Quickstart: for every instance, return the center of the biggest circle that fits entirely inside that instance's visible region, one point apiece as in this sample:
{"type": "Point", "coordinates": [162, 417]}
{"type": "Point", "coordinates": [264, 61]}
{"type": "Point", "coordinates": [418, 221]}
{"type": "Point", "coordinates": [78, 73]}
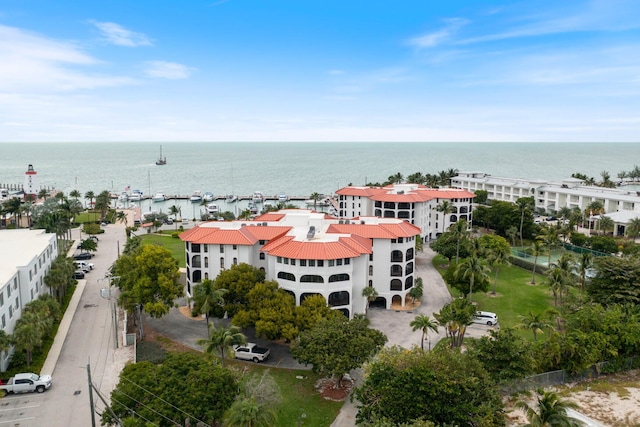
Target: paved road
{"type": "Point", "coordinates": [90, 339]}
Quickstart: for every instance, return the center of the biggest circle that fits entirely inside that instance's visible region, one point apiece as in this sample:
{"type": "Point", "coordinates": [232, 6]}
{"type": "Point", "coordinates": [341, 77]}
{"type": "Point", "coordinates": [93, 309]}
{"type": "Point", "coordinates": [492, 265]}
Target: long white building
{"type": "Point", "coordinates": [26, 258]}
{"type": "Point", "coordinates": [413, 203]}
{"type": "Point", "coordinates": [311, 253]}
{"type": "Point", "coordinates": [619, 204]}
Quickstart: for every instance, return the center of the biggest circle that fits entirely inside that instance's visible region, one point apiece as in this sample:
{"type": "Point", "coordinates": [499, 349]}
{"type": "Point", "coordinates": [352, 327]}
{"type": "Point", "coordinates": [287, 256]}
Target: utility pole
{"type": "Point", "coordinates": [91, 406]}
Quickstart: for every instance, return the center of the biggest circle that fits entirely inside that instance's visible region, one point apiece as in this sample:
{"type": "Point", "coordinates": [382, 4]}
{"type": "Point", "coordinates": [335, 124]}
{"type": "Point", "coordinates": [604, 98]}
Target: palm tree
{"type": "Point", "coordinates": [512, 232]}
{"type": "Point", "coordinates": [472, 269]}
{"type": "Point", "coordinates": [536, 323]}
{"type": "Point", "coordinates": [43, 194]}
{"type": "Point", "coordinates": [247, 412]}
{"type": "Point", "coordinates": [103, 201]}
{"type": "Point", "coordinates": [535, 249]}
{"type": "Point", "coordinates": [549, 237]}
{"type": "Point", "coordinates": [460, 232]}
{"type": "Point", "coordinates": [423, 323]}
{"type": "Point", "coordinates": [525, 205]}
{"type": "Point", "coordinates": [556, 279]}
{"type": "Point", "coordinates": [446, 207]}
{"type": "Point", "coordinates": [632, 230]}
{"type": "Point", "coordinates": [222, 339]}
{"type": "Point", "coordinates": [315, 197]}
{"type": "Point", "coordinates": [370, 293]}
{"type": "Point", "coordinates": [121, 216]}
{"type": "Point", "coordinates": [90, 195]}
{"type": "Point", "coordinates": [75, 194]}
{"type": "Point", "coordinates": [206, 297]}
{"type": "Point", "coordinates": [497, 257]}
{"type": "Point", "coordinates": [550, 411]}
{"type": "Point", "coordinates": [586, 261]}
{"type": "Point", "coordinates": [606, 224]}
{"type": "Point", "coordinates": [417, 290]}
{"type": "Point", "coordinates": [13, 206]}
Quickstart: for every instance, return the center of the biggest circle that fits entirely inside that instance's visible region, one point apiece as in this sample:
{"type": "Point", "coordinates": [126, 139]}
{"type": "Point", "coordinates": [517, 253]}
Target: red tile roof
{"type": "Point", "coordinates": [419, 193]}
{"type": "Point", "coordinates": [379, 231]}
{"type": "Point", "coordinates": [247, 235]}
{"type": "Point", "coordinates": [345, 247]}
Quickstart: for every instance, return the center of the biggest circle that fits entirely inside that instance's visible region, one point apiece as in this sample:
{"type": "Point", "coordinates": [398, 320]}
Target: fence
{"type": "Point", "coordinates": [552, 378]}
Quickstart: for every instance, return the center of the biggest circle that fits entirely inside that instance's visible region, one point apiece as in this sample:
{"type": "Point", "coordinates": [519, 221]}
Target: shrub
{"type": "Point", "coordinates": [149, 351]}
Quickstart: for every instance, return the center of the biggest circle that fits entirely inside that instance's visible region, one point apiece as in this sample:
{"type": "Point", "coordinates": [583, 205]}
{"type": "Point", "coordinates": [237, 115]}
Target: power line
{"type": "Point", "coordinates": [134, 412]}
{"type": "Point", "coordinates": [146, 406]}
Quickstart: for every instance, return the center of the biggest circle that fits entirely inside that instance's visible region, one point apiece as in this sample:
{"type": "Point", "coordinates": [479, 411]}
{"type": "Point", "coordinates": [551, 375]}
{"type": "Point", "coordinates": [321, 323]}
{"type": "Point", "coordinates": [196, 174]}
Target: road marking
{"type": "Point", "coordinates": [17, 419]}
{"type": "Point", "coordinates": [21, 407]}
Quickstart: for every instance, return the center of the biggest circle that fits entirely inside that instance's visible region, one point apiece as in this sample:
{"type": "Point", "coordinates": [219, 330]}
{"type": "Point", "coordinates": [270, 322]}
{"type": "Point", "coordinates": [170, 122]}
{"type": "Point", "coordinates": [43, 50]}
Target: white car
{"type": "Point", "coordinates": [485, 318]}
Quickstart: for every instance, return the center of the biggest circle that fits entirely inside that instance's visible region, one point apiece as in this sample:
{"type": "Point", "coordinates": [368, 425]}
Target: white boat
{"type": "Point", "coordinates": [123, 197]}
{"type": "Point", "coordinates": [252, 208]}
{"type": "Point", "coordinates": [324, 202]}
{"type": "Point", "coordinates": [212, 209]}
{"type": "Point", "coordinates": [231, 198]}
{"type": "Point", "coordinates": [159, 197]}
{"type": "Point", "coordinates": [282, 197]}
{"type": "Point", "coordinates": [257, 197]}
{"type": "Point", "coordinates": [208, 196]}
{"type": "Point", "coordinates": [196, 196]}
{"type": "Point", "coordinates": [136, 196]}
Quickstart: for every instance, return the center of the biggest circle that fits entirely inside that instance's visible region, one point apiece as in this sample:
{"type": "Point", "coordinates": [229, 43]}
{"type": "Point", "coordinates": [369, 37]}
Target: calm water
{"type": "Point", "coordinates": [295, 169]}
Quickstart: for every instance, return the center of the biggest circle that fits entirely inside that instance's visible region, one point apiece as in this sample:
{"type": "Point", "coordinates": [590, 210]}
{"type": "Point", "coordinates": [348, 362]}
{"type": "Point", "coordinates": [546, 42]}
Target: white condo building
{"type": "Point", "coordinates": [26, 258]}
{"type": "Point", "coordinates": [311, 253]}
{"type": "Point", "coordinates": [413, 203]}
{"type": "Point", "coordinates": [619, 204]}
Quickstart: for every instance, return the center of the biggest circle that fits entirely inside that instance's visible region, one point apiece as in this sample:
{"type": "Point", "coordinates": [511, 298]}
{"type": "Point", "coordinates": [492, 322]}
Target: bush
{"type": "Point", "coordinates": [175, 234]}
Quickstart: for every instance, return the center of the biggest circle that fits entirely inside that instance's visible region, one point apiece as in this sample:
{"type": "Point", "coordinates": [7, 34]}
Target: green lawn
{"type": "Point", "coordinates": [175, 245]}
{"type": "Point", "coordinates": [515, 295]}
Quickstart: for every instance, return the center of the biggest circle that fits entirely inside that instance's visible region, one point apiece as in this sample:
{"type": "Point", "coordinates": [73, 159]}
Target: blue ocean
{"type": "Point", "coordinates": [296, 169]}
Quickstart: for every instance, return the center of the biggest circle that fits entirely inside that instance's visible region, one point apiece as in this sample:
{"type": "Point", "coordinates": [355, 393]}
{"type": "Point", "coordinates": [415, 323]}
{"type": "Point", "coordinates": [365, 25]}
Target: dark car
{"type": "Point", "coordinates": [78, 274]}
{"type": "Point", "coordinates": [83, 255]}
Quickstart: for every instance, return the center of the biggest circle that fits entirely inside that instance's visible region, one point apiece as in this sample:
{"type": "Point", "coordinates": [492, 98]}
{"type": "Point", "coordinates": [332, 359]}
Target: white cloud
{"type": "Point", "coordinates": [120, 36]}
{"type": "Point", "coordinates": [32, 63]}
{"type": "Point", "coordinates": [438, 37]}
{"type": "Point", "coordinates": [167, 70]}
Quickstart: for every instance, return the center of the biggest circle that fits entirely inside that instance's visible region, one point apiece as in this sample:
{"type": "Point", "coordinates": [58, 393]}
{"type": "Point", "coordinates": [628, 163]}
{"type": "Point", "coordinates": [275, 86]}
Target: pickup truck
{"type": "Point", "coordinates": [26, 382]}
{"type": "Point", "coordinates": [252, 352]}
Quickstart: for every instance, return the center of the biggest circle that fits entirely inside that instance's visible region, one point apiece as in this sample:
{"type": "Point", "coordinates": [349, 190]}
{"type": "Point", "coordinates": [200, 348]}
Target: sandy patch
{"type": "Point", "coordinates": [613, 400]}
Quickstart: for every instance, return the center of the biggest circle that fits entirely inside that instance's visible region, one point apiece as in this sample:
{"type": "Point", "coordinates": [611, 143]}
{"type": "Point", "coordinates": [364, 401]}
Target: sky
{"type": "Point", "coordinates": [319, 70]}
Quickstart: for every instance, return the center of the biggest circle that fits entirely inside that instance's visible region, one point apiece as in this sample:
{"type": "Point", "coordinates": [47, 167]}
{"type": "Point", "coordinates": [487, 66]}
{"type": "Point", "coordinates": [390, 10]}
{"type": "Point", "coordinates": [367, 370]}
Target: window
{"type": "Point", "coordinates": [312, 263]}
{"type": "Point", "coordinates": [4, 322]}
{"type": "Point", "coordinates": [206, 262]}
{"type": "Point", "coordinates": [206, 248]}
{"type": "Point", "coordinates": [286, 276]}
{"type": "Point", "coordinates": [235, 261]}
{"type": "Point", "coordinates": [332, 263]}
{"type": "Point", "coordinates": [262, 256]}
{"type": "Point", "coordinates": [279, 260]}
{"type": "Point", "coordinates": [320, 263]}
{"type": "Point", "coordinates": [221, 249]}
{"type": "Point", "coordinates": [10, 312]}
{"type": "Point", "coordinates": [221, 262]}
{"type": "Point", "coordinates": [1, 299]}
{"type": "Point", "coordinates": [338, 278]}
{"type": "Point", "coordinates": [286, 261]}
{"type": "Point", "coordinates": [339, 261]}
{"type": "Point", "coordinates": [17, 303]}
{"type": "Point", "coordinates": [311, 279]}
{"type": "Point", "coordinates": [293, 262]}
{"type": "Point", "coordinates": [303, 263]}
{"type": "Point", "coordinates": [8, 291]}
{"type": "Point", "coordinates": [371, 270]}
{"type": "Point", "coordinates": [347, 261]}
{"type": "Point", "coordinates": [235, 247]}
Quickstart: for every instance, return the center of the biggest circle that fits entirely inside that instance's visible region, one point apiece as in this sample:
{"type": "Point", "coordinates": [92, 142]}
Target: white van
{"type": "Point", "coordinates": [84, 266]}
{"type": "Point", "coordinates": [485, 318]}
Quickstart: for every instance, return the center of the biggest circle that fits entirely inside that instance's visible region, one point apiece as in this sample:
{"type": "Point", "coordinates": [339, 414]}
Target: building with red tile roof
{"type": "Point", "coordinates": [311, 253]}
{"type": "Point", "coordinates": [414, 203]}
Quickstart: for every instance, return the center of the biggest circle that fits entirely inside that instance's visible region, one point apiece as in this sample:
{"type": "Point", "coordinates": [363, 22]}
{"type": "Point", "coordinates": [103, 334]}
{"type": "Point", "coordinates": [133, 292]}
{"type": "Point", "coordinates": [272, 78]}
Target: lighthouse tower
{"type": "Point", "coordinates": [31, 185]}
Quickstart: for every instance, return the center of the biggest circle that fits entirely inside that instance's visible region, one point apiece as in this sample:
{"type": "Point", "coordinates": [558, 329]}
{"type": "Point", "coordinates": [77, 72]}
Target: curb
{"type": "Point", "coordinates": [63, 329]}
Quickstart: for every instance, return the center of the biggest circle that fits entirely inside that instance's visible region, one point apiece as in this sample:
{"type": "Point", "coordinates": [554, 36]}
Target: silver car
{"type": "Point", "coordinates": [485, 318]}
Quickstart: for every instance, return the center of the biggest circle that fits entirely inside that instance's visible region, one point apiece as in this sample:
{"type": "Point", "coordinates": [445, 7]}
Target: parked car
{"type": "Point", "coordinates": [252, 352]}
{"type": "Point", "coordinates": [78, 274]}
{"type": "Point", "coordinates": [94, 238]}
{"type": "Point", "coordinates": [83, 255]}
{"type": "Point", "coordinates": [485, 318]}
{"type": "Point", "coordinates": [26, 382]}
{"type": "Point", "coordinates": [84, 266]}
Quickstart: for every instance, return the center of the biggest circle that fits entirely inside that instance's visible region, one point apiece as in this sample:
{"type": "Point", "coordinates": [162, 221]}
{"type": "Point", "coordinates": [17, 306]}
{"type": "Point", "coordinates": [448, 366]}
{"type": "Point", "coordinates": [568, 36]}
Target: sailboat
{"type": "Point", "coordinates": [161, 160]}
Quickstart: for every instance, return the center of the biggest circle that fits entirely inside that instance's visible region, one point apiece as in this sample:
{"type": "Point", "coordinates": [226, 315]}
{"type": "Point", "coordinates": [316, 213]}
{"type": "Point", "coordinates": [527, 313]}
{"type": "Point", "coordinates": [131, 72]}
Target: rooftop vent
{"type": "Point", "coordinates": [264, 224]}
{"type": "Point", "coordinates": [401, 192]}
{"type": "Point", "coordinates": [243, 225]}
{"type": "Point", "coordinates": [311, 232]}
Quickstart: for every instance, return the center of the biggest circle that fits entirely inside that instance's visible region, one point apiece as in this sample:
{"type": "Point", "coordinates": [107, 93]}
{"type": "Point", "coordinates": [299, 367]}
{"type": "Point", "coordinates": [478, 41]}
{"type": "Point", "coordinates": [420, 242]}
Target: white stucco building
{"type": "Point", "coordinates": [620, 204]}
{"type": "Point", "coordinates": [413, 203]}
{"type": "Point", "coordinates": [26, 258]}
{"type": "Point", "coordinates": [310, 253]}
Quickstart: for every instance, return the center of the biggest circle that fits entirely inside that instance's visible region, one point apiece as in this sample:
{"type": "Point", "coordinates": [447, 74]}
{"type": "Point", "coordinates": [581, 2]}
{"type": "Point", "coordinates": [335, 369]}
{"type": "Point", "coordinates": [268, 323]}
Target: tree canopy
{"type": "Point", "coordinates": [337, 345]}
{"type": "Point", "coordinates": [443, 386]}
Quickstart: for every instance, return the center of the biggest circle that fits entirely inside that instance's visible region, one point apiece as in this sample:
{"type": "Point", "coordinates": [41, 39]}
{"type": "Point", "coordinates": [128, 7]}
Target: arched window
{"type": "Point", "coordinates": [206, 262]}
{"type": "Point", "coordinates": [396, 285]}
{"type": "Point", "coordinates": [409, 254]}
{"type": "Point", "coordinates": [338, 298]}
{"type": "Point", "coordinates": [396, 270]}
{"type": "Point", "coordinates": [286, 276]}
{"type": "Point", "coordinates": [378, 213]}
{"type": "Point", "coordinates": [389, 214]}
{"type": "Point", "coordinates": [408, 268]}
{"type": "Point", "coordinates": [453, 218]}
{"type": "Point", "coordinates": [311, 278]}
{"type": "Point", "coordinates": [221, 262]}
{"type": "Point", "coordinates": [389, 205]}
{"type": "Point", "coordinates": [371, 270]}
{"type": "Point", "coordinates": [338, 278]}
{"type": "Point", "coordinates": [408, 283]}
{"type": "Point", "coordinates": [396, 256]}
{"type": "Point", "coordinates": [195, 261]}
{"type": "Point", "coordinates": [463, 209]}
{"type": "Point", "coordinates": [307, 295]}
{"type": "Point", "coordinates": [344, 311]}
{"type": "Point", "coordinates": [197, 276]}
{"type": "Point", "coordinates": [404, 214]}
{"type": "Point", "coordinates": [235, 261]}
